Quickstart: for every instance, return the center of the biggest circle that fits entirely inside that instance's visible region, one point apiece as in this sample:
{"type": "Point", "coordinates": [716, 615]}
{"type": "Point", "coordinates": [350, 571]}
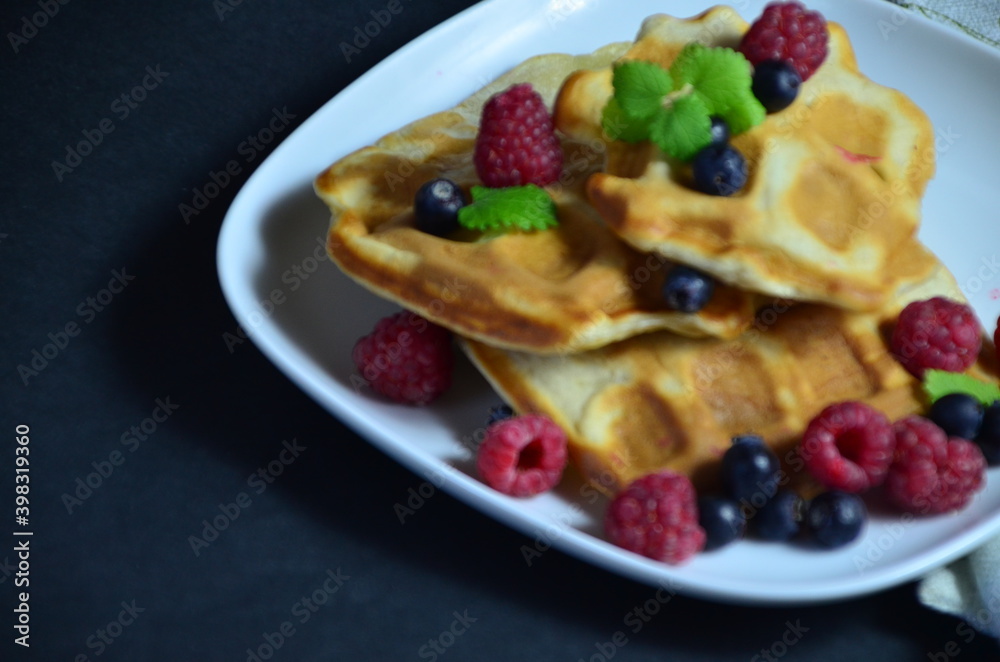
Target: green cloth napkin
{"type": "Point", "coordinates": [977, 18]}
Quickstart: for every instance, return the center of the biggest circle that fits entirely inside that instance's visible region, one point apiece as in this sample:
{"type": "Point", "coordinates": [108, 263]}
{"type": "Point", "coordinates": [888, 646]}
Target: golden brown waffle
{"type": "Point", "coordinates": [662, 401]}
{"type": "Point", "coordinates": [811, 224]}
{"type": "Point", "coordinates": [575, 287]}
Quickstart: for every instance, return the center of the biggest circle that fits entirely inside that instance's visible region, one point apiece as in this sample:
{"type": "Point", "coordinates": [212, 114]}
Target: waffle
{"type": "Point", "coordinates": [574, 287]}
{"type": "Point", "coordinates": [834, 188]}
{"type": "Point", "coordinates": [662, 401]}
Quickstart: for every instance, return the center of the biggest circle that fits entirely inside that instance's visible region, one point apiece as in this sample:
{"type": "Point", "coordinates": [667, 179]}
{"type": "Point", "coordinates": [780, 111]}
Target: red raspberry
{"type": "Point", "coordinates": [786, 31]}
{"type": "Point", "coordinates": [936, 333]}
{"type": "Point", "coordinates": [657, 516]}
{"type": "Point", "coordinates": [516, 144]}
{"type": "Point", "coordinates": [996, 338]}
{"type": "Point", "coordinates": [931, 473]}
{"type": "Point", "coordinates": [523, 455]}
{"type": "Point", "coordinates": [406, 358]}
{"type": "Point", "coordinates": [848, 446]}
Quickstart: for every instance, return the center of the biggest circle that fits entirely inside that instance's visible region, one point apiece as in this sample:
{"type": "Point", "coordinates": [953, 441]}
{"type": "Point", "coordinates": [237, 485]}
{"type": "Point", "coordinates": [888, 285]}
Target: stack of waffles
{"type": "Point", "coordinates": [814, 259]}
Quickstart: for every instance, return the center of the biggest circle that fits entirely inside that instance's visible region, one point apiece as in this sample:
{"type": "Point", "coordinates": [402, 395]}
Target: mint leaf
{"type": "Point", "coordinates": [745, 115]}
{"type": "Point", "coordinates": [619, 127]}
{"type": "Point", "coordinates": [525, 208]}
{"type": "Point", "coordinates": [640, 88]}
{"type": "Point", "coordinates": [683, 129]}
{"type": "Point", "coordinates": [939, 383]}
{"type": "Point", "coordinates": [708, 81]}
{"type": "Point", "coordinates": [721, 79]}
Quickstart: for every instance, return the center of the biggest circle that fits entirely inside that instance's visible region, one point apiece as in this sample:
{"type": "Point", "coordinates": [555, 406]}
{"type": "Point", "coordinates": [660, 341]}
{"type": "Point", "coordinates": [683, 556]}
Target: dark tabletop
{"type": "Point", "coordinates": [142, 425]}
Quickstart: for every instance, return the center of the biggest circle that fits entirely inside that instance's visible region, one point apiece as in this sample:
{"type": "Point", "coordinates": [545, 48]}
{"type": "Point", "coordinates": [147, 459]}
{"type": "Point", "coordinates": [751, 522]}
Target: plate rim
{"type": "Point", "coordinates": [596, 551]}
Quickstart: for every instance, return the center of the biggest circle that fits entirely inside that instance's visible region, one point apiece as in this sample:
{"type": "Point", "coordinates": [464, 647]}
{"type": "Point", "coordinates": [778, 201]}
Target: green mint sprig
{"type": "Point", "coordinates": [524, 208]}
{"type": "Point", "coordinates": [939, 383]}
{"type": "Point", "coordinates": [673, 107]}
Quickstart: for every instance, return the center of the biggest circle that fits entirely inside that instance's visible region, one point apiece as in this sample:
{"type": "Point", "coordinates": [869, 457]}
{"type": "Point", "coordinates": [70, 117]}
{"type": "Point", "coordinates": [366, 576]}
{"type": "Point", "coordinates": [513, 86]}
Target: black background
{"type": "Point", "coordinates": [160, 338]}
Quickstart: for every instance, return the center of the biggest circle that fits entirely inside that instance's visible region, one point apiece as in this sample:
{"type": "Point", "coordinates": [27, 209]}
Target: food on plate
{"type": "Point", "coordinates": [662, 401]}
{"type": "Point", "coordinates": [688, 265]}
{"type": "Point", "coordinates": [833, 181]}
{"type": "Point", "coordinates": [406, 358]}
{"type": "Point", "coordinates": [932, 473]}
{"type": "Point", "coordinates": [522, 455]}
{"type": "Point", "coordinates": [573, 287]}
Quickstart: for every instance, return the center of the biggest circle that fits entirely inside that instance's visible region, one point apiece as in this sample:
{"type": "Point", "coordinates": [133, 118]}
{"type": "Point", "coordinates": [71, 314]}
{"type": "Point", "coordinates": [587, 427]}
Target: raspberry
{"type": "Point", "coordinates": [522, 455]}
{"type": "Point", "coordinates": [996, 339]}
{"type": "Point", "coordinates": [786, 31]}
{"type": "Point", "coordinates": [936, 333]}
{"type": "Point", "coordinates": [516, 144]}
{"type": "Point", "coordinates": [932, 473]}
{"type": "Point", "coordinates": [406, 358]}
{"type": "Point", "coordinates": [657, 516]}
{"type": "Point", "coordinates": [848, 447]}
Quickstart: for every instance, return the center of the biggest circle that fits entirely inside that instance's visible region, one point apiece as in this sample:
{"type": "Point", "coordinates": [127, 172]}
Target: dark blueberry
{"type": "Point", "coordinates": [687, 290]}
{"type": "Point", "coordinates": [775, 84]}
{"type": "Point", "coordinates": [719, 170]}
{"type": "Point", "coordinates": [989, 434]}
{"type": "Point", "coordinates": [958, 414]}
{"type": "Point", "coordinates": [750, 471]}
{"type": "Point", "coordinates": [436, 206]}
{"type": "Point", "coordinates": [720, 131]}
{"type": "Point", "coordinates": [780, 518]}
{"type": "Point", "coordinates": [835, 518]}
{"type": "Point", "coordinates": [722, 520]}
{"type": "Point", "coordinates": [498, 413]}
{"type": "Point", "coordinates": [748, 439]}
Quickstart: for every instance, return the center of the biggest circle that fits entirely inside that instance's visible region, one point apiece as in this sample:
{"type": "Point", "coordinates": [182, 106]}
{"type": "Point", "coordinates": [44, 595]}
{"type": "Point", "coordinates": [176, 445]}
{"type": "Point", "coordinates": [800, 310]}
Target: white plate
{"type": "Point", "coordinates": [271, 244]}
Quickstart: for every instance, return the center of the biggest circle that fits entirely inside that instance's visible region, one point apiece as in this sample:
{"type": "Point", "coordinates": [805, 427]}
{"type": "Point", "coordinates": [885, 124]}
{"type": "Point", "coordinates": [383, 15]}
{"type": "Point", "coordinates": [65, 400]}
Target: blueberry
{"type": "Point", "coordinates": [836, 518]}
{"type": "Point", "coordinates": [780, 518]}
{"type": "Point", "coordinates": [958, 414]}
{"type": "Point", "coordinates": [750, 470]}
{"type": "Point", "coordinates": [720, 131]}
{"type": "Point", "coordinates": [719, 170]}
{"type": "Point", "coordinates": [722, 520]}
{"type": "Point", "coordinates": [687, 290]}
{"type": "Point", "coordinates": [436, 206]}
{"type": "Point", "coordinates": [775, 84]}
{"type": "Point", "coordinates": [498, 413]}
{"type": "Point", "coordinates": [989, 434]}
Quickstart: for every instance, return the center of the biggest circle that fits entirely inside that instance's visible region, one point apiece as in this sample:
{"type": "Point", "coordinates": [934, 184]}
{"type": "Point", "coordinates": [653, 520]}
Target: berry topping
{"type": "Point", "coordinates": [936, 333]}
{"type": "Point", "coordinates": [656, 516]}
{"type": "Point", "coordinates": [722, 520]}
{"type": "Point", "coordinates": [775, 84]}
{"type": "Point", "coordinates": [687, 290]}
{"type": "Point", "coordinates": [848, 446]}
{"type": "Point", "coordinates": [835, 518]}
{"type": "Point", "coordinates": [787, 31]}
{"type": "Point", "coordinates": [996, 337]}
{"type": "Point", "coordinates": [958, 414]}
{"type": "Point", "coordinates": [930, 473]}
{"type": "Point", "coordinates": [498, 413]}
{"type": "Point", "coordinates": [750, 470]}
{"type": "Point", "coordinates": [720, 131]}
{"type": "Point", "coordinates": [436, 206]}
{"type": "Point", "coordinates": [988, 439]}
{"type": "Point", "coordinates": [406, 358]}
{"type": "Point", "coordinates": [780, 518]}
{"type": "Point", "coordinates": [523, 455]}
{"type": "Point", "coordinates": [516, 143]}
{"type": "Point", "coordinates": [719, 170]}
